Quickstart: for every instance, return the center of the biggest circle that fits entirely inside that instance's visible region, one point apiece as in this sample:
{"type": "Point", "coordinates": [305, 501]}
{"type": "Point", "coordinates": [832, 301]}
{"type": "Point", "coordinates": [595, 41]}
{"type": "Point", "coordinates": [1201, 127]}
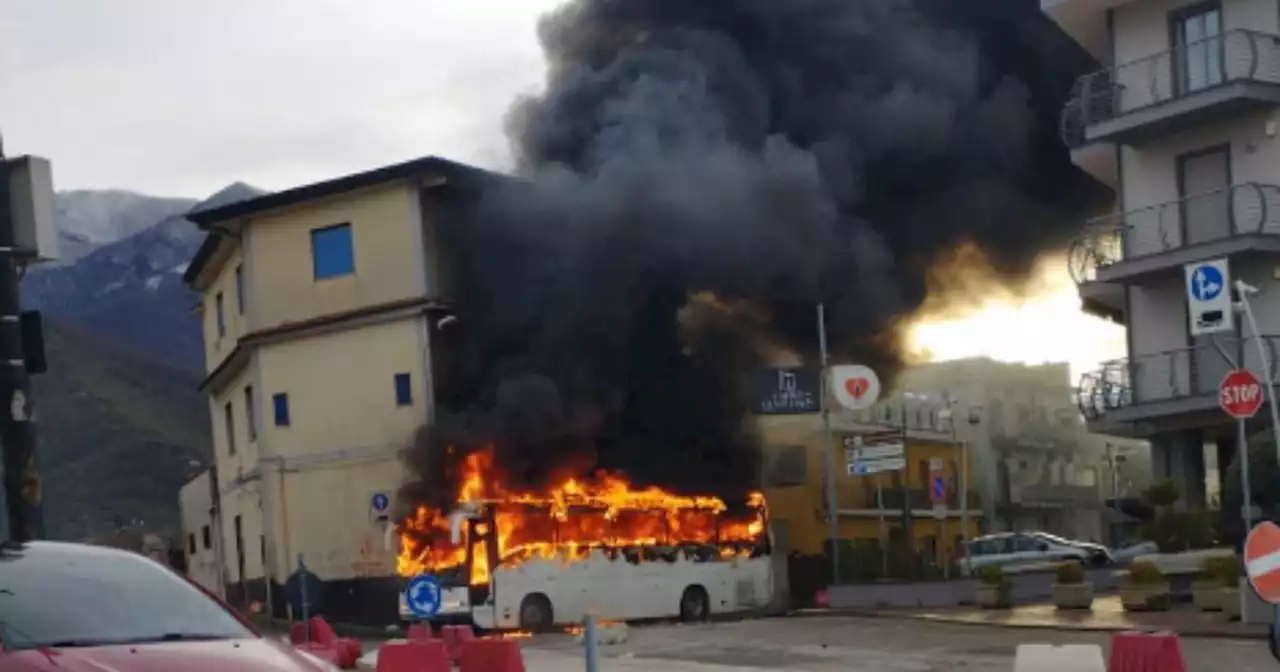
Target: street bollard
{"type": "Point", "coordinates": [589, 640]}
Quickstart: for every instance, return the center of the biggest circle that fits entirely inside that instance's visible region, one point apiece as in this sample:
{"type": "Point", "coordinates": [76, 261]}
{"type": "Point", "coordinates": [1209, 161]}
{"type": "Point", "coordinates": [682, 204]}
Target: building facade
{"type": "Point", "coordinates": [319, 306]}
{"type": "Point", "coordinates": [1181, 122]}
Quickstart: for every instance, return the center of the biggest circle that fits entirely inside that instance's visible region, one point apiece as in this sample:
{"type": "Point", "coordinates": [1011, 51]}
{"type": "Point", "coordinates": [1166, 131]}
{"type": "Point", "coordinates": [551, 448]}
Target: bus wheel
{"type": "Point", "coordinates": [694, 604]}
{"type": "Point", "coordinates": [535, 613]}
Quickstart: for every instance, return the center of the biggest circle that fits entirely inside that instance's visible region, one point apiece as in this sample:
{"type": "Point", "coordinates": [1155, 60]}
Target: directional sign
{"type": "Point", "coordinates": [1209, 297]}
{"type": "Point", "coordinates": [874, 453]}
{"type": "Point", "coordinates": [1240, 394]}
{"type": "Point", "coordinates": [380, 507]}
{"type": "Point", "coordinates": [1262, 560]}
{"type": "Point", "coordinates": [938, 490]}
{"type": "Point", "coordinates": [855, 386]}
{"type": "Point", "coordinates": [422, 596]}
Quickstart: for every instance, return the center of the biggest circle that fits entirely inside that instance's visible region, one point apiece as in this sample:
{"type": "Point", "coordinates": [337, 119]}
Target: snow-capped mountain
{"type": "Point", "coordinates": [89, 219]}
{"type": "Point", "coordinates": [126, 285]}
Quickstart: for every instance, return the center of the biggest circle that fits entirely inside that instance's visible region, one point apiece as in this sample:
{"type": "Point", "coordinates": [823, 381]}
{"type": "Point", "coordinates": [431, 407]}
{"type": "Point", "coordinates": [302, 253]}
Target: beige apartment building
{"type": "Point", "coordinates": [319, 307]}
{"type": "Point", "coordinates": [1182, 122]}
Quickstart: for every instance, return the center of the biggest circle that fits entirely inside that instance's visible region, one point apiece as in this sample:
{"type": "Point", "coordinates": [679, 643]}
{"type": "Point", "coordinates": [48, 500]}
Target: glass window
{"type": "Point", "coordinates": [206, 537]}
{"type": "Point", "coordinates": [251, 418]}
{"type": "Point", "coordinates": [229, 421]}
{"type": "Point", "coordinates": [240, 289]}
{"type": "Point", "coordinates": [220, 316]}
{"type": "Point", "coordinates": [1199, 50]}
{"type": "Point", "coordinates": [404, 390]}
{"type": "Point", "coordinates": [135, 600]}
{"type": "Point", "coordinates": [280, 403]}
{"type": "Point", "coordinates": [332, 252]}
{"type": "Point", "coordinates": [1023, 543]}
{"type": "Point", "coordinates": [1002, 545]}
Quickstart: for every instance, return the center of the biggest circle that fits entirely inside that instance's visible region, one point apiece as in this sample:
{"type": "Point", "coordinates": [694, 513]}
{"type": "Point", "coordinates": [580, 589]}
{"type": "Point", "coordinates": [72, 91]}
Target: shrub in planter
{"type": "Point", "coordinates": [994, 591]}
{"type": "Point", "coordinates": [1071, 590]}
{"type": "Point", "coordinates": [1206, 590]}
{"type": "Point", "coordinates": [1145, 588]}
{"type": "Point", "coordinates": [1228, 572]}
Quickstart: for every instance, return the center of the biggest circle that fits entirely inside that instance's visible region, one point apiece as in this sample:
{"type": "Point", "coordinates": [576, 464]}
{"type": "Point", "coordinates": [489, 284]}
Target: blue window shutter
{"type": "Point", "coordinates": [281, 403]}
{"type": "Point", "coordinates": [404, 391]}
{"type": "Point", "coordinates": [332, 252]}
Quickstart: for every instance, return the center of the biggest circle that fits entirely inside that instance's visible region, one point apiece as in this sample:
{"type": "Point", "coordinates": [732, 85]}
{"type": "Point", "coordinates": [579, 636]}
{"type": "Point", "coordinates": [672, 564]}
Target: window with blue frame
{"type": "Point", "coordinates": [332, 252]}
{"type": "Point", "coordinates": [404, 392]}
{"type": "Point", "coordinates": [280, 402]}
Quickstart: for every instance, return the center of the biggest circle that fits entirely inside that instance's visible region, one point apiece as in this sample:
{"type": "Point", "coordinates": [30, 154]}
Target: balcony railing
{"type": "Point", "coordinates": [1233, 56]}
{"type": "Point", "coordinates": [1168, 376]}
{"type": "Point", "coordinates": [1242, 209]}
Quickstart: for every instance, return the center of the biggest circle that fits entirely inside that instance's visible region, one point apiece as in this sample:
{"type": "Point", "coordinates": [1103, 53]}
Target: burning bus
{"type": "Point", "coordinates": [534, 560]}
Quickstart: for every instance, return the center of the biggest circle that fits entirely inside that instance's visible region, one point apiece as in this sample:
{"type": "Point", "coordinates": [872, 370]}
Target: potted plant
{"type": "Point", "coordinates": [994, 590]}
{"type": "Point", "coordinates": [1228, 573]}
{"type": "Point", "coordinates": [1071, 590]}
{"type": "Point", "coordinates": [1144, 588]}
{"type": "Point", "coordinates": [1206, 589]}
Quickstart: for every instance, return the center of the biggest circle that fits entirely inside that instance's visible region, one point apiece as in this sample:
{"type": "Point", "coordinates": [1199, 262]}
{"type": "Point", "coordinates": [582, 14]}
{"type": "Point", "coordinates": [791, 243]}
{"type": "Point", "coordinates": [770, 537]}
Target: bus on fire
{"type": "Point", "coordinates": [535, 563]}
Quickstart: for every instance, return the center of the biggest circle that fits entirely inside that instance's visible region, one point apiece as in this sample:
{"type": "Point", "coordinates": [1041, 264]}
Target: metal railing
{"type": "Point", "coordinates": [1232, 56]}
{"type": "Point", "coordinates": [1241, 209]}
{"type": "Point", "coordinates": [1169, 375]}
{"type": "Point", "coordinates": [920, 499]}
{"type": "Point", "coordinates": [1050, 493]}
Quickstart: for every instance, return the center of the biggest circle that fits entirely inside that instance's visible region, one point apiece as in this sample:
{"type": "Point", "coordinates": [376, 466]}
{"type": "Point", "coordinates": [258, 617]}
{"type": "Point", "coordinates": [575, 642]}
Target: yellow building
{"type": "Point", "coordinates": [795, 468]}
{"type": "Point", "coordinates": [319, 306]}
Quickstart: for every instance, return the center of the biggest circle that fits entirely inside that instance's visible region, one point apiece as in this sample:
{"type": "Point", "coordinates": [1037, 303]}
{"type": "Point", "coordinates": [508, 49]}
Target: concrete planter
{"type": "Point", "coordinates": [1073, 595]}
{"type": "Point", "coordinates": [988, 596]}
{"type": "Point", "coordinates": [1145, 597]}
{"type": "Point", "coordinates": [1207, 596]}
{"type": "Point", "coordinates": [1229, 602]}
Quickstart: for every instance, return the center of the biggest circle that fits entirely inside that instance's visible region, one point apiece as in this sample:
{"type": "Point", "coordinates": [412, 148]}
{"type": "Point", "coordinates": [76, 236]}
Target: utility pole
{"type": "Point", "coordinates": [17, 419]}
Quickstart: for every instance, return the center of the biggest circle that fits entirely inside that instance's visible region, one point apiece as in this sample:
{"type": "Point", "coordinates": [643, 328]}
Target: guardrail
{"type": "Point", "coordinates": [1232, 56]}
{"type": "Point", "coordinates": [1241, 209]}
{"type": "Point", "coordinates": [1168, 375]}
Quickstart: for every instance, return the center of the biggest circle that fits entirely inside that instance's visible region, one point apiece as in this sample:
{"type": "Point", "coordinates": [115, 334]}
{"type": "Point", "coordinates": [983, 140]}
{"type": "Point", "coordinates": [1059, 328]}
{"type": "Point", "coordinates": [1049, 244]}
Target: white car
{"type": "Point", "coordinates": [1015, 550]}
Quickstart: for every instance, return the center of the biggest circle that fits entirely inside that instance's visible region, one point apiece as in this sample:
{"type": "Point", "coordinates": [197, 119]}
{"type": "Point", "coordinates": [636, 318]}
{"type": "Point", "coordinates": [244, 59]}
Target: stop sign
{"type": "Point", "coordinates": [1240, 394]}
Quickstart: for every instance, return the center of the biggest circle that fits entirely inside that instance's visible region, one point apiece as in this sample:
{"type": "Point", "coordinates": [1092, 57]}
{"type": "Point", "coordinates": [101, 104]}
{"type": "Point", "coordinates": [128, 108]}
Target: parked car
{"type": "Point", "coordinates": [1014, 550]}
{"type": "Point", "coordinates": [71, 607]}
{"type": "Point", "coordinates": [1132, 550]}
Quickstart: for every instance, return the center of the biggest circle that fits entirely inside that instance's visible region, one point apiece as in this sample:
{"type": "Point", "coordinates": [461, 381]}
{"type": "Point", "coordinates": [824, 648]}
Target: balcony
{"type": "Point", "coordinates": [1144, 389]}
{"type": "Point", "coordinates": [920, 500]}
{"type": "Point", "coordinates": [1197, 83]}
{"type": "Point", "coordinates": [1124, 246]}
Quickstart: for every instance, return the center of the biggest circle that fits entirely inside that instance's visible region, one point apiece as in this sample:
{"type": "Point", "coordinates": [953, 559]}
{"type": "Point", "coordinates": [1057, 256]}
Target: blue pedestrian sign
{"type": "Point", "coordinates": [938, 490]}
{"type": "Point", "coordinates": [1209, 297]}
{"type": "Point", "coordinates": [422, 596]}
{"type": "Point", "coordinates": [381, 502]}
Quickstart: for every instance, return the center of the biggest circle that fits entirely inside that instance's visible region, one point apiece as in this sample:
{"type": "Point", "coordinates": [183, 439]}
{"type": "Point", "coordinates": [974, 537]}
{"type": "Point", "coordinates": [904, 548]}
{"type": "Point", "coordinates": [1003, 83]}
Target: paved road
{"type": "Point", "coordinates": [851, 644]}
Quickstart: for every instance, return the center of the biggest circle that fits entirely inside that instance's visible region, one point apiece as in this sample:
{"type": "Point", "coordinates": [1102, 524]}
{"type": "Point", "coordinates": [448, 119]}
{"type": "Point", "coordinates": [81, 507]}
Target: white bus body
{"type": "Point", "coordinates": [613, 590]}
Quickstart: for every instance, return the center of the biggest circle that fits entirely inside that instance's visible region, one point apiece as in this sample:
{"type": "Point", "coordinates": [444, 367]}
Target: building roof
{"type": "Point", "coordinates": [205, 217]}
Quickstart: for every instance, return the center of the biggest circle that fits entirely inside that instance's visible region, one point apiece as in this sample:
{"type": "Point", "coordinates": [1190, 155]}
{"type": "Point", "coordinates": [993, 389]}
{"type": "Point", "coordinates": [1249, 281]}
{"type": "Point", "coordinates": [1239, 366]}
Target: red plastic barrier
{"type": "Point", "coordinates": [298, 634]}
{"type": "Point", "coordinates": [349, 649]}
{"type": "Point", "coordinates": [820, 599]}
{"type": "Point", "coordinates": [413, 656]}
{"type": "Point", "coordinates": [454, 637]}
{"type": "Point", "coordinates": [420, 632]}
{"type": "Point", "coordinates": [324, 652]}
{"type": "Point", "coordinates": [1146, 652]}
{"type": "Point", "coordinates": [491, 655]}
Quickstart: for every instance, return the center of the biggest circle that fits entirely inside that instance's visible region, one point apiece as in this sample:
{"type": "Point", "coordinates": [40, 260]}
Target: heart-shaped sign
{"type": "Point", "coordinates": [857, 387]}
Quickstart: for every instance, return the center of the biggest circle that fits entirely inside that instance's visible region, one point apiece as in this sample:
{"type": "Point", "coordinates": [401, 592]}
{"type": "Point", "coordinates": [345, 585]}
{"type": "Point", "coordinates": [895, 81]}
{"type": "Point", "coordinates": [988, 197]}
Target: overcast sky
{"type": "Point", "coordinates": [181, 97]}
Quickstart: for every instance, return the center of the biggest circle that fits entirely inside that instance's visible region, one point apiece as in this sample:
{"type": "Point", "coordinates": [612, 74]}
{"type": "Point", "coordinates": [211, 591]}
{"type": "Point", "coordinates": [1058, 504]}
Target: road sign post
{"type": "Point", "coordinates": [1262, 566]}
{"type": "Point", "coordinates": [422, 596]}
{"type": "Point", "coordinates": [1240, 396]}
{"type": "Point", "coordinates": [1210, 309]}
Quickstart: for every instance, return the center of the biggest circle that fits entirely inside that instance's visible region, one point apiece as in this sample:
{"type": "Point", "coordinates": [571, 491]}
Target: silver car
{"type": "Point", "coordinates": [1013, 551]}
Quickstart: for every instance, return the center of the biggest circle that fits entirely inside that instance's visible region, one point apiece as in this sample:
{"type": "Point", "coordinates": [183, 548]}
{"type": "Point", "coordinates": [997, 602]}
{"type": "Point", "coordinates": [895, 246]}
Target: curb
{"type": "Point", "coordinates": [1192, 633]}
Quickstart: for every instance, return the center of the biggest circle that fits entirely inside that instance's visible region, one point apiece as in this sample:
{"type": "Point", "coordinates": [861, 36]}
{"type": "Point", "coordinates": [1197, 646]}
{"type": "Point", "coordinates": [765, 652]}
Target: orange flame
{"type": "Point", "coordinates": [568, 520]}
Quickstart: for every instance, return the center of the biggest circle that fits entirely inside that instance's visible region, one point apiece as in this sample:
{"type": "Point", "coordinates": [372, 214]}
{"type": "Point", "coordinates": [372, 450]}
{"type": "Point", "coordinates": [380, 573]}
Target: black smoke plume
{"type": "Point", "coordinates": [772, 154]}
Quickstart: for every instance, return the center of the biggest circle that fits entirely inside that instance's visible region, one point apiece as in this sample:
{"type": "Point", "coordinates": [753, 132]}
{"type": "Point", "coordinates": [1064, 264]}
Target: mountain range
{"type": "Point", "coordinates": [121, 423]}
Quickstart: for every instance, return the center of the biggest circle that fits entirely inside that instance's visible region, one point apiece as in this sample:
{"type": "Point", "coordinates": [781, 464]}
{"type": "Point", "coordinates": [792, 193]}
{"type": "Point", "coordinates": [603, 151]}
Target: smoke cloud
{"type": "Point", "coordinates": [695, 179]}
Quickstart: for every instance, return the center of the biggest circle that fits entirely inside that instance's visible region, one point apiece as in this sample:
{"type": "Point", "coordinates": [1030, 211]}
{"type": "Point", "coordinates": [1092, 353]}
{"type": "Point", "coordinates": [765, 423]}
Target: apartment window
{"type": "Point", "coordinates": [790, 466]}
{"type": "Point", "coordinates": [206, 538]}
{"type": "Point", "coordinates": [220, 315]}
{"type": "Point", "coordinates": [1198, 47]}
{"type": "Point", "coordinates": [404, 391]}
{"type": "Point", "coordinates": [250, 418]}
{"type": "Point", "coordinates": [230, 424]}
{"type": "Point", "coordinates": [1204, 185]}
{"type": "Point", "coordinates": [239, 548]}
{"type": "Point", "coordinates": [280, 404]}
{"type": "Point", "coordinates": [240, 289]}
{"type": "Point", "coordinates": [191, 544]}
{"type": "Point", "coordinates": [332, 252]}
{"type": "Point", "coordinates": [922, 468]}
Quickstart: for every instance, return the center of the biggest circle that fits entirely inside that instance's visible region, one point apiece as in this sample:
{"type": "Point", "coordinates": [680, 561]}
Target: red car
{"type": "Point", "coordinates": [70, 607]}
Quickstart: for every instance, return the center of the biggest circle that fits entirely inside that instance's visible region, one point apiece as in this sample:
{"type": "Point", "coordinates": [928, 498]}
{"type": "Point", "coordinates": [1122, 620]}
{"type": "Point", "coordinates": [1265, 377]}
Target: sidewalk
{"type": "Point", "coordinates": [1107, 616]}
